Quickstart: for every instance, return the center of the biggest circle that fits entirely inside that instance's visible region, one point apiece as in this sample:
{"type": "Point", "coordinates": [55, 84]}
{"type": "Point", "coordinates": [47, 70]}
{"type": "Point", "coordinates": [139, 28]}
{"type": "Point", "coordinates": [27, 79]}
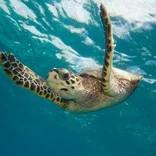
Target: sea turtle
{"type": "Point", "coordinates": [89, 90]}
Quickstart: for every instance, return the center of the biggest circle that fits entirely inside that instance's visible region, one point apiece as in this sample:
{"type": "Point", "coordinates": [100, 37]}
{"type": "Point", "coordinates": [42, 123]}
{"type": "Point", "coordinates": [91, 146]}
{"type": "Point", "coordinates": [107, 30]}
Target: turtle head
{"type": "Point", "coordinates": [64, 82]}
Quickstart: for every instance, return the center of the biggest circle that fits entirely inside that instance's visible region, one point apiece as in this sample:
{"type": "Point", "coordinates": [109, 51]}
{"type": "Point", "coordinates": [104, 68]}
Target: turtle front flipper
{"type": "Point", "coordinates": [109, 49]}
{"type": "Point", "coordinates": [26, 78]}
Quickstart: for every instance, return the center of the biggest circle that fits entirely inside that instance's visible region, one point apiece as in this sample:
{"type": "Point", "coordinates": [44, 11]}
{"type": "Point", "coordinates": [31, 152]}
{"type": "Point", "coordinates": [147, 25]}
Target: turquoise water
{"type": "Point", "coordinates": [68, 33]}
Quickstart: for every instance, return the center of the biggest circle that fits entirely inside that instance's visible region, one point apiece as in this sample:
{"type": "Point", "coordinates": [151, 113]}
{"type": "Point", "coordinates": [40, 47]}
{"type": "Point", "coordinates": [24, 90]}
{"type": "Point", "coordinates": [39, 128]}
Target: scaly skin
{"type": "Point", "coordinates": [26, 78]}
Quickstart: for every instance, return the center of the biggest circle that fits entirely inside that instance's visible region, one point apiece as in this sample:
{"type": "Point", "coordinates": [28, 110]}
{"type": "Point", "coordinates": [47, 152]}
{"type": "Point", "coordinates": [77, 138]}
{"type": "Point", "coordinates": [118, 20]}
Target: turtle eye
{"type": "Point", "coordinates": [66, 76]}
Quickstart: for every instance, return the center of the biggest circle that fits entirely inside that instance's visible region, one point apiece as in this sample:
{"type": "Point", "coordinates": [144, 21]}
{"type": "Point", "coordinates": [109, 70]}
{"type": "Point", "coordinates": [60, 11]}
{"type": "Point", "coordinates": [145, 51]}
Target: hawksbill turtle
{"type": "Point", "coordinates": [89, 90]}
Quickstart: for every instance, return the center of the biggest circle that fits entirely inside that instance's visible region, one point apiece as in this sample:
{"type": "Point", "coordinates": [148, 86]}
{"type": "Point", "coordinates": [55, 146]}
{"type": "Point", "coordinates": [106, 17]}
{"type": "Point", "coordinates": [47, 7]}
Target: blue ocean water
{"type": "Point", "coordinates": [69, 34]}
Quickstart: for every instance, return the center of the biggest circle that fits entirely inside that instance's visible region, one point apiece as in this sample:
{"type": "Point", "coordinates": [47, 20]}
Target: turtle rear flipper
{"type": "Point", "coordinates": [109, 49]}
{"type": "Point", "coordinates": [26, 78]}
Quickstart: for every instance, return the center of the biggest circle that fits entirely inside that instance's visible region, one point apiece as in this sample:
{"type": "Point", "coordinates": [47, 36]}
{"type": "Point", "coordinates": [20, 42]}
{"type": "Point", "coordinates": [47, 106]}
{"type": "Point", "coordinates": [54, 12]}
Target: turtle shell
{"type": "Point", "coordinates": [92, 71]}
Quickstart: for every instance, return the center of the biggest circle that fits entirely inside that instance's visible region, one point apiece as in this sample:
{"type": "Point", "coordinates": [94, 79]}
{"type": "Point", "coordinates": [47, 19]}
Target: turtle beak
{"type": "Point", "coordinates": [47, 76]}
{"type": "Point", "coordinates": [52, 70]}
{"type": "Point", "coordinates": [56, 70]}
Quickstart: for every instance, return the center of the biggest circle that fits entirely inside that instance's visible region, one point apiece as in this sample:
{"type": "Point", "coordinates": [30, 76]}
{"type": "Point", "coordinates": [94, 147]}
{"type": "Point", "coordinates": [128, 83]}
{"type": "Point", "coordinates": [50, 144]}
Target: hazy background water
{"type": "Point", "coordinates": [68, 33]}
